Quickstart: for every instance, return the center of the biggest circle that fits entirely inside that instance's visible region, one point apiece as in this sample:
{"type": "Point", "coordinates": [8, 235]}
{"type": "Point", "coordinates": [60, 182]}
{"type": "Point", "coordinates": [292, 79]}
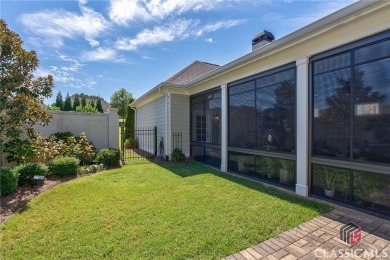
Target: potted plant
{"type": "Point", "coordinates": [331, 177]}
{"type": "Point", "coordinates": [271, 166]}
{"type": "Point", "coordinates": [287, 167]}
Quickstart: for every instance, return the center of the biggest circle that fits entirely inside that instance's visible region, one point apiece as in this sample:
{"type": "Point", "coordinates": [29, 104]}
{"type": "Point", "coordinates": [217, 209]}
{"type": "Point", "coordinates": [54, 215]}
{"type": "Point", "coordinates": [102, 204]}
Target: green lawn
{"type": "Point", "coordinates": [150, 211]}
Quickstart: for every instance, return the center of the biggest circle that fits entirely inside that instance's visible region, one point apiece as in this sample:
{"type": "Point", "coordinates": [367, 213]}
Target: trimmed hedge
{"type": "Point", "coordinates": [131, 143]}
{"type": "Point", "coordinates": [177, 155]}
{"type": "Point", "coordinates": [28, 170]}
{"type": "Point", "coordinates": [109, 157]}
{"type": "Point", "coordinates": [8, 181]}
{"type": "Point", "coordinates": [65, 166]}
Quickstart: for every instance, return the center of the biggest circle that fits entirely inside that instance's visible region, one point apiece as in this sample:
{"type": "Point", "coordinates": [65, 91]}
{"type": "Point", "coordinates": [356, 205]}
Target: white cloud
{"type": "Point", "coordinates": [210, 40]}
{"type": "Point", "coordinates": [219, 25]}
{"type": "Point", "coordinates": [147, 57]}
{"type": "Point", "coordinates": [124, 11]}
{"type": "Point", "coordinates": [179, 29]}
{"type": "Point", "coordinates": [83, 2]}
{"type": "Point", "coordinates": [102, 54]}
{"type": "Point", "coordinates": [56, 25]}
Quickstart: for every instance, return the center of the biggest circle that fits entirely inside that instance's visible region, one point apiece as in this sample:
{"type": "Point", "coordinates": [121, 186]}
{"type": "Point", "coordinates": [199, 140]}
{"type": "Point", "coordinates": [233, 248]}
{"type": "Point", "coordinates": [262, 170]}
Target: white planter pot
{"type": "Point", "coordinates": [329, 193]}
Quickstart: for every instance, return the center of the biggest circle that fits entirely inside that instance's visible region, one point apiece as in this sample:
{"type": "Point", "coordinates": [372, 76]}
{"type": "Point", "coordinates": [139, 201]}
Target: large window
{"type": "Point", "coordinates": [262, 111]}
{"type": "Point", "coordinates": [351, 103]}
{"type": "Point", "coordinates": [206, 127]}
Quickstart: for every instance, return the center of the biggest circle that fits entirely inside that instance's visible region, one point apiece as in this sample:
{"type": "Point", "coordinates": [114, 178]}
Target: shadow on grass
{"type": "Point", "coordinates": [190, 169]}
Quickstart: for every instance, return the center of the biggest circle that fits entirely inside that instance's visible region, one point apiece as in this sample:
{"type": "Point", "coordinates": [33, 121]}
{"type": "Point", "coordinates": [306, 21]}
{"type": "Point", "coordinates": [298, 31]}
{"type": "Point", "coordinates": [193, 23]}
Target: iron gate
{"type": "Point", "coordinates": [138, 145]}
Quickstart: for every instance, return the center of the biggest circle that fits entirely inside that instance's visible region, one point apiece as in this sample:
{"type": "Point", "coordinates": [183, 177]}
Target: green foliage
{"type": "Point", "coordinates": [177, 155]}
{"type": "Point", "coordinates": [76, 102]}
{"type": "Point", "coordinates": [83, 101]}
{"type": "Point", "coordinates": [8, 181]}
{"type": "Point", "coordinates": [59, 102]}
{"type": "Point", "coordinates": [27, 170]}
{"type": "Point", "coordinates": [109, 157]}
{"type": "Point", "coordinates": [18, 150]}
{"type": "Point", "coordinates": [92, 103]}
{"type": "Point", "coordinates": [53, 108]}
{"type": "Point", "coordinates": [84, 149]}
{"type": "Point", "coordinates": [129, 124]}
{"type": "Point", "coordinates": [121, 100]}
{"type": "Point", "coordinates": [68, 103]}
{"type": "Point", "coordinates": [21, 94]}
{"type": "Point", "coordinates": [87, 109]}
{"type": "Point", "coordinates": [63, 166]}
{"type": "Point", "coordinates": [99, 105]}
{"type": "Point", "coordinates": [131, 143]}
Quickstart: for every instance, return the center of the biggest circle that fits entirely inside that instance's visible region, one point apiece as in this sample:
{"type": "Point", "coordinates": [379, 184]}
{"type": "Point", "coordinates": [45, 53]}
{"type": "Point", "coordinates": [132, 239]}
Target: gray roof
{"type": "Point", "coordinates": [191, 72]}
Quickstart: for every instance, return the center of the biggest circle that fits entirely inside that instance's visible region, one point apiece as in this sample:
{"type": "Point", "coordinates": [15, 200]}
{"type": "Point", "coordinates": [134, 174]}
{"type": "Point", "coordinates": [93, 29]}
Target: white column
{"type": "Point", "coordinates": [224, 128]}
{"type": "Point", "coordinates": [168, 142]}
{"type": "Point", "coordinates": [303, 141]}
{"type": "Point", "coordinates": [113, 126]}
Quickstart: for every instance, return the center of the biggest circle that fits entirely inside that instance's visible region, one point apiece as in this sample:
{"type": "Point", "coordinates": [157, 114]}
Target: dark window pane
{"type": "Point", "coordinates": [276, 117]}
{"type": "Point", "coordinates": [213, 121]}
{"type": "Point", "coordinates": [212, 156]}
{"type": "Point", "coordinates": [371, 140]}
{"type": "Point", "coordinates": [242, 116]}
{"type": "Point", "coordinates": [331, 182]}
{"type": "Point", "coordinates": [276, 78]}
{"type": "Point", "coordinates": [332, 63]}
{"type": "Point", "coordinates": [242, 87]}
{"type": "Point", "coordinates": [197, 153]}
{"type": "Point", "coordinates": [198, 123]}
{"type": "Point", "coordinates": [375, 51]}
{"type": "Point", "coordinates": [372, 191]}
{"type": "Point", "coordinates": [332, 114]}
{"type": "Point", "coordinates": [197, 99]}
{"type": "Point", "coordinates": [244, 163]}
{"type": "Point", "coordinates": [213, 95]}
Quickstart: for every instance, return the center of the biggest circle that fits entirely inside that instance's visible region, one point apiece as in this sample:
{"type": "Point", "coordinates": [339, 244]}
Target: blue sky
{"type": "Point", "coordinates": [98, 47]}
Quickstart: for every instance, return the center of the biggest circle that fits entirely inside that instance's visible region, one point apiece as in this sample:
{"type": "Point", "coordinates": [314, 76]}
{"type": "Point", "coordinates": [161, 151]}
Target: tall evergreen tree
{"type": "Point", "coordinates": [68, 103]}
{"type": "Point", "coordinates": [83, 101]}
{"type": "Point", "coordinates": [129, 124]}
{"type": "Point", "coordinates": [99, 105]}
{"type": "Point", "coordinates": [76, 101]}
{"type": "Point", "coordinates": [59, 101]}
{"type": "Point", "coordinates": [92, 102]}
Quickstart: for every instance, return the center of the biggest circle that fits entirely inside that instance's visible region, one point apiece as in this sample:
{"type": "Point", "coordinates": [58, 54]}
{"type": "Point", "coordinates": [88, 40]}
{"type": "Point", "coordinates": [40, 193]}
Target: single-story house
{"type": "Point", "coordinates": [309, 111]}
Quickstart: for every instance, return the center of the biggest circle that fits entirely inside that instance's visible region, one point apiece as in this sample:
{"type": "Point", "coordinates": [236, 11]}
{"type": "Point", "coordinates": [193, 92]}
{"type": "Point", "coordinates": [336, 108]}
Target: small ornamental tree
{"type": "Point", "coordinates": [99, 105]}
{"type": "Point", "coordinates": [76, 102]}
{"type": "Point", "coordinates": [21, 94]}
{"type": "Point", "coordinates": [129, 124]}
{"type": "Point", "coordinates": [68, 103]}
{"type": "Point", "coordinates": [59, 102]}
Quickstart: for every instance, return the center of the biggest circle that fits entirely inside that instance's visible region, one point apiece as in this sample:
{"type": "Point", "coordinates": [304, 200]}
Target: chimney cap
{"type": "Point", "coordinates": [263, 35]}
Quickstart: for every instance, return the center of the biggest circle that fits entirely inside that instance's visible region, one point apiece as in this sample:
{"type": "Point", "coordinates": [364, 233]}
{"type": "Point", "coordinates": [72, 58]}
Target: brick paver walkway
{"type": "Point", "coordinates": [319, 239]}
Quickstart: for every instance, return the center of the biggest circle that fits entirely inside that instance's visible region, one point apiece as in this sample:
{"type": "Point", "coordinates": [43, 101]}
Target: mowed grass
{"type": "Point", "coordinates": [150, 211]}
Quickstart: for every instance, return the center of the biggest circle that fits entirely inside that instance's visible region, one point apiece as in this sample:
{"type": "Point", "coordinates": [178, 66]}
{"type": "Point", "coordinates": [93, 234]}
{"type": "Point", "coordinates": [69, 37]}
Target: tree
{"type": "Point", "coordinates": [21, 94]}
{"type": "Point", "coordinates": [68, 103]}
{"type": "Point", "coordinates": [121, 100]}
{"type": "Point", "coordinates": [59, 103]}
{"type": "Point", "coordinates": [83, 101]}
{"type": "Point", "coordinates": [129, 124]}
{"type": "Point", "coordinates": [92, 103]}
{"type": "Point", "coordinates": [99, 105]}
{"type": "Point", "coordinates": [76, 102]}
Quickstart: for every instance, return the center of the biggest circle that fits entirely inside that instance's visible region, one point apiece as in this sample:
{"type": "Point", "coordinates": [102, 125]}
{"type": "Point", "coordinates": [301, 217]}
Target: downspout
{"type": "Point", "coordinates": [167, 122]}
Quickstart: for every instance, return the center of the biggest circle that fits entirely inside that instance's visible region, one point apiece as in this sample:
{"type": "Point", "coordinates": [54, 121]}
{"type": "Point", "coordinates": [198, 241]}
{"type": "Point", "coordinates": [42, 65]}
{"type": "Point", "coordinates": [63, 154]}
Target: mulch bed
{"type": "Point", "coordinates": [15, 201]}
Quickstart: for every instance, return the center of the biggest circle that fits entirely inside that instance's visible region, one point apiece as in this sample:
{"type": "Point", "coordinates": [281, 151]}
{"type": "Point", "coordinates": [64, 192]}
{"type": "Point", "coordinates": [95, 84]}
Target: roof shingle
{"type": "Point", "coordinates": [191, 72]}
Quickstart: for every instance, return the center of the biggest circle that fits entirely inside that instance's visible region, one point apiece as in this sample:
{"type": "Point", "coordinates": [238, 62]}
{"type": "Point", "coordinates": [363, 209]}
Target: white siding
{"type": "Point", "coordinates": [180, 111]}
{"type": "Point", "coordinates": [152, 115]}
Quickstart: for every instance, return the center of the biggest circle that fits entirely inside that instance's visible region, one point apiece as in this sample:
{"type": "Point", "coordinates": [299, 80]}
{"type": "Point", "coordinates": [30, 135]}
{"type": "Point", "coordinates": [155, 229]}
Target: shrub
{"type": "Point", "coordinates": [177, 155]}
{"type": "Point", "coordinates": [90, 169]}
{"type": "Point", "coordinates": [8, 181]}
{"type": "Point", "coordinates": [131, 143]}
{"type": "Point", "coordinates": [28, 170]}
{"type": "Point", "coordinates": [63, 166]}
{"type": "Point", "coordinates": [108, 156]}
{"type": "Point", "coordinates": [84, 150]}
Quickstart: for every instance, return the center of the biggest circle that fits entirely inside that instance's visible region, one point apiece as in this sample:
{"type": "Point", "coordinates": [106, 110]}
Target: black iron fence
{"type": "Point", "coordinates": [138, 145]}
{"type": "Point", "coordinates": [177, 140]}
